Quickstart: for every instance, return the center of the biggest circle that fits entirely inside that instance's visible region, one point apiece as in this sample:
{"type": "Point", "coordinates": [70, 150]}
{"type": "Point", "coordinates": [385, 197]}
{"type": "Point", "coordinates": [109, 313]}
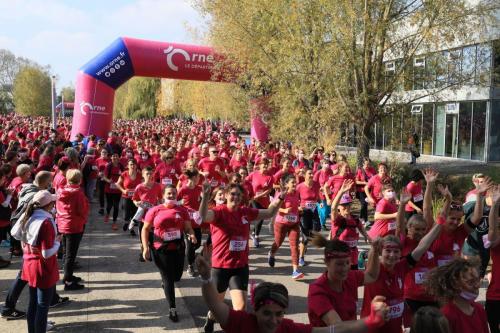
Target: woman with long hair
{"type": "Point", "coordinates": [111, 175]}
{"type": "Point", "coordinates": [127, 183]}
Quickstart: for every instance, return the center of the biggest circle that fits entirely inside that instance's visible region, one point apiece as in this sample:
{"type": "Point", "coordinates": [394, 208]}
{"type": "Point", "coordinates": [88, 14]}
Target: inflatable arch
{"type": "Point", "coordinates": [97, 80]}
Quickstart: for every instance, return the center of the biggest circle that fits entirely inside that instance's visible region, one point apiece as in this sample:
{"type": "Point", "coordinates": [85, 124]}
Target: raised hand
{"type": "Point", "coordinates": [207, 189]}
{"type": "Point", "coordinates": [484, 185]}
{"type": "Point", "coordinates": [444, 191]}
{"type": "Point", "coordinates": [346, 185]}
{"type": "Point", "coordinates": [430, 175]}
{"type": "Point", "coordinates": [404, 197]}
{"type": "Point", "coordinates": [495, 193]}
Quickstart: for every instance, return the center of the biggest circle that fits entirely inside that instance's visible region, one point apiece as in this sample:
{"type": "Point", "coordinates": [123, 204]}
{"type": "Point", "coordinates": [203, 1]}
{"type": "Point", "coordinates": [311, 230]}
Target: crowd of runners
{"type": "Point", "coordinates": [196, 195]}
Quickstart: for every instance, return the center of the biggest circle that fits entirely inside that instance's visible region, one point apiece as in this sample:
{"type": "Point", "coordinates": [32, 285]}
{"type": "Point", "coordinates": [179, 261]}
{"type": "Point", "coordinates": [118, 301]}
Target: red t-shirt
{"type": "Point", "coordinates": [38, 271]}
{"type": "Point", "coordinates": [230, 231]}
{"type": "Point", "coordinates": [234, 164]}
{"type": "Point", "coordinates": [309, 196]}
{"type": "Point", "coordinates": [291, 201]}
{"type": "Point", "coordinates": [168, 224]}
{"type": "Point", "coordinates": [321, 298]}
{"type": "Point", "coordinates": [477, 322]}
{"type": "Point", "coordinates": [167, 174]}
{"type": "Point", "coordinates": [260, 183]}
{"type": "Point", "coordinates": [112, 172]}
{"type": "Point", "coordinates": [360, 176]}
{"type": "Point", "coordinates": [493, 292]}
{"type": "Point", "coordinates": [59, 181]}
{"type": "Point", "coordinates": [242, 322]}
{"type": "Point", "coordinates": [350, 235]}
{"type": "Point", "coordinates": [206, 165]}
{"type": "Point", "coordinates": [389, 285]}
{"type": "Point", "coordinates": [130, 184]}
{"type": "Point", "coordinates": [382, 228]}
{"type": "Point", "coordinates": [417, 195]}
{"type": "Point", "coordinates": [414, 279]}
{"type": "Point", "coordinates": [190, 196]}
{"type": "Point", "coordinates": [449, 244]}
{"type": "Point", "coordinates": [152, 195]}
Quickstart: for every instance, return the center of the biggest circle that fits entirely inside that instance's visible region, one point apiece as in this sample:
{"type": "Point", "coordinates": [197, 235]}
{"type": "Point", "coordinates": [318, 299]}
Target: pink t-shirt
{"type": "Point", "coordinates": [382, 228]}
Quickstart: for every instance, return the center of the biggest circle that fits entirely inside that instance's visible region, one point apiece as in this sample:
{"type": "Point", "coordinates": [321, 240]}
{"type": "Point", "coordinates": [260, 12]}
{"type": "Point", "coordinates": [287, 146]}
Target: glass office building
{"type": "Point", "coordinates": [465, 123]}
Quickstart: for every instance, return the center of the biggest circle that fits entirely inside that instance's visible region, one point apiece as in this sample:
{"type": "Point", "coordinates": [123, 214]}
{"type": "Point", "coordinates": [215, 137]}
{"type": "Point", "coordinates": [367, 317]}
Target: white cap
{"type": "Point", "coordinates": [44, 198]}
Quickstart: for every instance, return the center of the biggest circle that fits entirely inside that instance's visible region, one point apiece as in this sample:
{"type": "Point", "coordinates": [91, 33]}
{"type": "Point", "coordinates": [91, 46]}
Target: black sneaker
{"type": "Point", "coordinates": [141, 258]}
{"type": "Point", "coordinates": [76, 279]}
{"type": "Point", "coordinates": [173, 315]}
{"type": "Point", "coordinates": [125, 227]}
{"type": "Point", "coordinates": [60, 301]}
{"type": "Point", "coordinates": [73, 286]}
{"type": "Point", "coordinates": [209, 326]}
{"type": "Point", "coordinates": [101, 211]}
{"type": "Point", "coordinates": [13, 314]}
{"type": "Point", "coordinates": [132, 233]}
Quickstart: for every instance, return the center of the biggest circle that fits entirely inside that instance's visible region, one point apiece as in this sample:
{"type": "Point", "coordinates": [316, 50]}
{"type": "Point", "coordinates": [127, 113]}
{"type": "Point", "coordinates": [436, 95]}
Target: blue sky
{"type": "Point", "coordinates": [66, 34]}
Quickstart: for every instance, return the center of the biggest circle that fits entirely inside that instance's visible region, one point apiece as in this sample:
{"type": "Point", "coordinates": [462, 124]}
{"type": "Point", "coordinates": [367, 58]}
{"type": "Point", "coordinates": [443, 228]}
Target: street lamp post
{"type": "Point", "coordinates": [53, 89]}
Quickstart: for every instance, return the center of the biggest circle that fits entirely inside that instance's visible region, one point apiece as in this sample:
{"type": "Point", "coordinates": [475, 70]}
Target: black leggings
{"type": "Point", "coordinates": [170, 263]}
{"type": "Point", "coordinates": [129, 209]}
{"type": "Point", "coordinates": [363, 213]}
{"type": "Point", "coordinates": [257, 226]}
{"type": "Point", "coordinates": [113, 201]}
{"type": "Point", "coordinates": [71, 243]}
{"type": "Point", "coordinates": [100, 187]}
{"type": "Point", "coordinates": [309, 223]}
{"type": "Point", "coordinates": [191, 248]}
{"type": "Point", "coordinates": [492, 311]}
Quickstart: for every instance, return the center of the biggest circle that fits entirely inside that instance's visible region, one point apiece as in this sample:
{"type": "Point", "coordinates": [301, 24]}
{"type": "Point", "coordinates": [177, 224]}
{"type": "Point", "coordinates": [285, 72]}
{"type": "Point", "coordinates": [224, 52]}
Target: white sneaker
{"type": "Point", "coordinates": [50, 326]}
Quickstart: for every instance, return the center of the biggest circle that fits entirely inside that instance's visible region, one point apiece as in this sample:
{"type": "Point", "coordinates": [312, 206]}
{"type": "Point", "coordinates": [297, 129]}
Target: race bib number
{"type": "Point", "coordinates": [311, 205]}
{"type": "Point", "coordinates": [444, 260]}
{"type": "Point", "coordinates": [95, 168]}
{"type": "Point", "coordinates": [391, 226]}
{"type": "Point", "coordinates": [171, 235]}
{"type": "Point", "coordinates": [456, 247]}
{"type": "Point", "coordinates": [146, 204]}
{"type": "Point", "coordinates": [130, 193]}
{"type": "Point", "coordinates": [113, 186]}
{"type": "Point", "coordinates": [418, 197]}
{"type": "Point", "coordinates": [351, 243]}
{"type": "Point", "coordinates": [195, 216]}
{"type": "Point", "coordinates": [166, 181]}
{"type": "Point", "coordinates": [214, 183]}
{"type": "Point", "coordinates": [396, 310]}
{"type": "Point", "coordinates": [237, 245]}
{"type": "Point", "coordinates": [290, 218]}
{"type": "Point", "coordinates": [420, 277]}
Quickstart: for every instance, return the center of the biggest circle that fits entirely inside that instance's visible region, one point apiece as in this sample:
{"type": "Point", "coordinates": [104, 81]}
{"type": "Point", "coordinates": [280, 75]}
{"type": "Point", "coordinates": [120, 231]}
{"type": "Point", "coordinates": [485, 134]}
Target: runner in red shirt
{"type": "Point", "coordinates": [189, 196]}
{"type": "Point", "coordinates": [414, 187]}
{"type": "Point", "coordinates": [333, 296]}
{"type": "Point", "coordinates": [321, 176]}
{"type": "Point", "coordinates": [170, 222]}
{"type": "Point", "coordinates": [212, 168]}
{"type": "Point", "coordinates": [262, 185]}
{"type": "Point", "coordinates": [230, 229]}
{"type": "Point", "coordinates": [493, 293]}
{"type": "Point", "coordinates": [363, 175]}
{"type": "Point", "coordinates": [237, 161]}
{"type": "Point", "coordinates": [457, 283]}
{"type": "Point", "coordinates": [127, 183]}
{"type": "Point", "coordinates": [101, 163]}
{"type": "Point", "coordinates": [111, 175]}
{"type": "Point", "coordinates": [345, 226]}
{"type": "Point", "coordinates": [5, 214]}
{"type": "Point", "coordinates": [270, 301]}
{"type": "Point", "coordinates": [168, 170]}
{"type": "Point", "coordinates": [287, 224]}
{"type": "Point", "coordinates": [385, 214]}
{"type": "Point", "coordinates": [373, 188]}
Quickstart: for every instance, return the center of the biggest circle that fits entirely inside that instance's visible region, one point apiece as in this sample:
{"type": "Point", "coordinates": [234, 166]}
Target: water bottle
{"type": "Point", "coordinates": [363, 255]}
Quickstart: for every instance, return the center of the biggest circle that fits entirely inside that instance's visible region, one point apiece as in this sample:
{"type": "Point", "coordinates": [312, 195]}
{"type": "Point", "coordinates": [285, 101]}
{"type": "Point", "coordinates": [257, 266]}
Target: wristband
{"type": "Point", "coordinates": [470, 224]}
{"type": "Point", "coordinates": [441, 220]}
{"type": "Point", "coordinates": [374, 320]}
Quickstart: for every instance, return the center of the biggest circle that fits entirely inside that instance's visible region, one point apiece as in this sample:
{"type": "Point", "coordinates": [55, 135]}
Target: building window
{"type": "Point", "coordinates": [419, 75]}
{"type": "Point", "coordinates": [496, 63]}
{"type": "Point", "coordinates": [494, 154]}
{"type": "Point", "coordinates": [454, 58]}
{"type": "Point", "coordinates": [464, 130]}
{"type": "Point", "coordinates": [469, 64]}
{"type": "Point", "coordinates": [439, 130]}
{"type": "Point", "coordinates": [427, 128]}
{"type": "Point", "coordinates": [483, 67]}
{"type": "Point", "coordinates": [478, 130]}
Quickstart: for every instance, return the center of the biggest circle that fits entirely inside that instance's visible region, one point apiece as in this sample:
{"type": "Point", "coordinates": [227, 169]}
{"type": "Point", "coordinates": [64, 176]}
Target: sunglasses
{"type": "Point", "coordinates": [456, 207]}
{"type": "Point", "coordinates": [214, 151]}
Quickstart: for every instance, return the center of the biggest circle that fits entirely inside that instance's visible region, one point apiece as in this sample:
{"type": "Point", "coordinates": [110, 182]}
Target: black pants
{"type": "Point", "coordinates": [493, 312]}
{"type": "Point", "coordinates": [309, 222]}
{"type": "Point", "coordinates": [71, 244]}
{"type": "Point", "coordinates": [129, 209]}
{"type": "Point", "coordinates": [191, 248]}
{"type": "Point", "coordinates": [257, 226]}
{"type": "Point", "coordinates": [363, 213]}
{"type": "Point", "coordinates": [100, 187]}
{"type": "Point", "coordinates": [113, 201]}
{"type": "Point", "coordinates": [15, 290]}
{"type": "Point", "coordinates": [170, 263]}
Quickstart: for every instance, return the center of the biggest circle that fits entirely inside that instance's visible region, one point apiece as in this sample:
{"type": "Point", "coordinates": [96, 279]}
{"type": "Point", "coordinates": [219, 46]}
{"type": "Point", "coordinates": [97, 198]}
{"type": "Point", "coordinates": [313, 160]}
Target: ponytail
{"type": "Point", "coordinates": [28, 213]}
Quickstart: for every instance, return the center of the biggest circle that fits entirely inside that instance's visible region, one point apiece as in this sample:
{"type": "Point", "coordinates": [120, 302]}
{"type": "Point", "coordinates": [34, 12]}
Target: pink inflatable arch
{"type": "Point", "coordinates": [126, 57]}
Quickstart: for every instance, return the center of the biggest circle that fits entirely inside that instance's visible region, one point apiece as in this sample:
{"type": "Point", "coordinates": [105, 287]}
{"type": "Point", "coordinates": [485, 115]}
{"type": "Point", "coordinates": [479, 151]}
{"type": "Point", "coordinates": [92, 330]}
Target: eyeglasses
{"type": "Point", "coordinates": [214, 151]}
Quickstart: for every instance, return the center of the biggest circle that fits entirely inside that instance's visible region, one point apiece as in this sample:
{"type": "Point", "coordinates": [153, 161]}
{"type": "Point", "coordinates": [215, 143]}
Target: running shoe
{"type": "Point", "coordinates": [302, 262]}
{"type": "Point", "coordinates": [296, 275]}
{"type": "Point", "coordinates": [141, 258]}
{"type": "Point", "coordinates": [190, 271]}
{"type": "Point", "coordinates": [73, 286]}
{"type": "Point", "coordinates": [106, 218]}
{"type": "Point", "coordinates": [50, 326]}
{"type": "Point", "coordinates": [209, 326]}
{"type": "Point", "coordinates": [12, 314]}
{"type": "Point", "coordinates": [125, 227]}
{"type": "Point", "coordinates": [173, 315]}
{"type": "Point", "coordinates": [101, 211]}
{"type": "Point", "coordinates": [114, 226]}
{"type": "Point", "coordinates": [254, 241]}
{"type": "Point", "coordinates": [270, 259]}
{"type": "Point", "coordinates": [132, 233]}
{"type": "Point", "coordinates": [60, 301]}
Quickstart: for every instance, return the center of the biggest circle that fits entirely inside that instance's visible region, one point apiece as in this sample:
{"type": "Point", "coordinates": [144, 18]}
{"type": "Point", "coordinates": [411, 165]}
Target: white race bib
{"type": "Point", "coordinates": [214, 183]}
{"type": "Point", "coordinates": [310, 205]}
{"type": "Point", "coordinates": [113, 186]}
{"type": "Point", "coordinates": [166, 181]}
{"type": "Point", "coordinates": [351, 243]}
{"type": "Point", "coordinates": [420, 277]}
{"type": "Point", "coordinates": [95, 168]}
{"type": "Point", "coordinates": [456, 247]}
{"type": "Point", "coordinates": [290, 218]}
{"type": "Point", "coordinates": [396, 310]}
{"type": "Point", "coordinates": [418, 197]}
{"type": "Point", "coordinates": [171, 234]}
{"type": "Point", "coordinates": [391, 226]}
{"type": "Point", "coordinates": [444, 260]}
{"type": "Point", "coordinates": [237, 245]}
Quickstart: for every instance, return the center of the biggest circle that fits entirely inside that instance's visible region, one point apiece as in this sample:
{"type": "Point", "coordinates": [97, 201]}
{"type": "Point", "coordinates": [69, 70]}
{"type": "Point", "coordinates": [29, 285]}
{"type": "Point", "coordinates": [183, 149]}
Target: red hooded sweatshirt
{"type": "Point", "coordinates": [72, 209]}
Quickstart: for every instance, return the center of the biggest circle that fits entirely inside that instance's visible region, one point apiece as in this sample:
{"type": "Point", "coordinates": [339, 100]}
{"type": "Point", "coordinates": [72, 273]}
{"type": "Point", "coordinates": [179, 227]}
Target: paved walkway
{"type": "Point", "coordinates": [124, 295]}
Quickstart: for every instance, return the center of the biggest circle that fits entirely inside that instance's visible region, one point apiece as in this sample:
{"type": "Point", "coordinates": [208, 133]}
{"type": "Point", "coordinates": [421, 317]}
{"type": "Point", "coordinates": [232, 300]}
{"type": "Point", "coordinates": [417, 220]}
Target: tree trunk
{"type": "Point", "coordinates": [364, 142]}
